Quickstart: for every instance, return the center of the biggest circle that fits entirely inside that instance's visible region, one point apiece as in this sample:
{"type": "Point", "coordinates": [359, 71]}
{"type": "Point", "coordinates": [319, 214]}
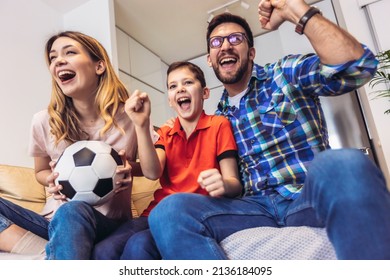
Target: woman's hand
{"type": "Point", "coordinates": [127, 180]}
{"type": "Point", "coordinates": [52, 188]}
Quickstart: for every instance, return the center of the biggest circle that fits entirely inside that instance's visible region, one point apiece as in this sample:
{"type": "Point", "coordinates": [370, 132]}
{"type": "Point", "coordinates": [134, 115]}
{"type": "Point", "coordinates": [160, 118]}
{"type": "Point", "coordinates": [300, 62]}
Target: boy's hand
{"type": "Point", "coordinates": [137, 107]}
{"type": "Point", "coordinates": [211, 181]}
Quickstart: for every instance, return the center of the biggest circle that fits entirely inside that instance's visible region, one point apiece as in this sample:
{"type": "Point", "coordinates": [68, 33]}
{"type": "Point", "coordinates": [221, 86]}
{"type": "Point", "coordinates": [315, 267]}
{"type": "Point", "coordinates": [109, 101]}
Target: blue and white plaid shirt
{"type": "Point", "coordinates": [280, 126]}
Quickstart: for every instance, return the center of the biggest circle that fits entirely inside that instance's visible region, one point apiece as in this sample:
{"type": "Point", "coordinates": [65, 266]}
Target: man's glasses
{"type": "Point", "coordinates": [234, 39]}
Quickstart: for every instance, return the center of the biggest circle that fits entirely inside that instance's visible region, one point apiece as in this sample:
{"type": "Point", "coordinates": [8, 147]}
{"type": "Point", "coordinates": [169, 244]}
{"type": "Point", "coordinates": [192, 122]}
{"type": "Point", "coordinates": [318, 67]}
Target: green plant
{"type": "Point", "coordinates": [382, 76]}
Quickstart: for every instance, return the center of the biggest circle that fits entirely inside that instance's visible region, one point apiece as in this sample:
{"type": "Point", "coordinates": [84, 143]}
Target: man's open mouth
{"type": "Point", "coordinates": [227, 61]}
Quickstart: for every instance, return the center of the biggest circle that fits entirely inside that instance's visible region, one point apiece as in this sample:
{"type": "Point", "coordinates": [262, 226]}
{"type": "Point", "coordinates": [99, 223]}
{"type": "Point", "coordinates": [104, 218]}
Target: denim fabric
{"type": "Point", "coordinates": [11, 213]}
{"type": "Point", "coordinates": [4, 223]}
{"type": "Point", "coordinates": [344, 192]}
{"type": "Point", "coordinates": [111, 248]}
{"type": "Point", "coordinates": [141, 246]}
{"type": "Point", "coordinates": [74, 230]}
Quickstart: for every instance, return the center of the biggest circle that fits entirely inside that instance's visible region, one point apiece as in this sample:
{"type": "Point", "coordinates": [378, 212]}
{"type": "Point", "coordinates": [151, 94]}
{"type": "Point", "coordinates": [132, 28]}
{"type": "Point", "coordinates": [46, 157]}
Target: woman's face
{"type": "Point", "coordinates": [73, 69]}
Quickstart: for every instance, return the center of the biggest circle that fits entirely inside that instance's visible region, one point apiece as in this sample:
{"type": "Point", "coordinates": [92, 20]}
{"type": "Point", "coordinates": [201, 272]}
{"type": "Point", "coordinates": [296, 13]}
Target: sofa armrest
{"type": "Point", "coordinates": [18, 184]}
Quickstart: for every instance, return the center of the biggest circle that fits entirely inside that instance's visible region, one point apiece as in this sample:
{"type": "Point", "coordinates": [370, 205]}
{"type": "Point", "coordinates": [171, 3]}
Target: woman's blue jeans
{"type": "Point", "coordinates": [11, 213]}
{"type": "Point", "coordinates": [72, 233]}
{"type": "Point", "coordinates": [344, 192]}
{"type": "Point", "coordinates": [74, 230]}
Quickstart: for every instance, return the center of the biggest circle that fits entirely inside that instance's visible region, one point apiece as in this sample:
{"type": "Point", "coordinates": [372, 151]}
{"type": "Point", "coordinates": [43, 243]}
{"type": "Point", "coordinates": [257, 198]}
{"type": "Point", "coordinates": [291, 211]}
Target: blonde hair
{"type": "Point", "coordinates": [111, 93]}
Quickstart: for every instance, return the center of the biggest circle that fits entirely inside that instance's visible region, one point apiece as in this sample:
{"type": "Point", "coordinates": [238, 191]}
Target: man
{"type": "Point", "coordinates": [290, 176]}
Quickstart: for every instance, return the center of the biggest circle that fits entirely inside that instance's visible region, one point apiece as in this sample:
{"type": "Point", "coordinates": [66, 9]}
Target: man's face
{"type": "Point", "coordinates": [230, 62]}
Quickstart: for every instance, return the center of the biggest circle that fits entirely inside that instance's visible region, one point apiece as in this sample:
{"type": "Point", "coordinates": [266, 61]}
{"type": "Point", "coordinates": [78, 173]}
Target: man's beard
{"type": "Point", "coordinates": [233, 78]}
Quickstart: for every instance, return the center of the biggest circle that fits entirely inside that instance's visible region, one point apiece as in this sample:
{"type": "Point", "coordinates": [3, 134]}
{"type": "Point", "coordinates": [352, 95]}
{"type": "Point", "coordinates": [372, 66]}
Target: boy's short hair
{"type": "Point", "coordinates": [199, 75]}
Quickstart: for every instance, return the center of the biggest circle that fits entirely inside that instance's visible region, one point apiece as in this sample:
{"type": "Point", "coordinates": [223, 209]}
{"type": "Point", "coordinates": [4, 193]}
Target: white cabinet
{"type": "Point", "coordinates": [161, 111]}
{"type": "Point", "coordinates": [145, 65]}
{"type": "Point", "coordinates": [123, 46]}
{"type": "Point", "coordinates": [141, 69]}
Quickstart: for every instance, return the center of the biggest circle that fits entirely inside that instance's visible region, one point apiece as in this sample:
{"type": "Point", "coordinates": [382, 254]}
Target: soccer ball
{"type": "Point", "coordinates": [87, 171]}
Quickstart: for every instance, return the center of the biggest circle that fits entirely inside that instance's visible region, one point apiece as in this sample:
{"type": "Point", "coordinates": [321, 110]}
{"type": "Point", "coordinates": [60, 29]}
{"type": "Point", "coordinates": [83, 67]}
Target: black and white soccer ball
{"type": "Point", "coordinates": [87, 171]}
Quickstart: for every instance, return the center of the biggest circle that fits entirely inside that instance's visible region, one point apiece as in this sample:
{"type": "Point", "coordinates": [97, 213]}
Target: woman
{"type": "Point", "coordinates": [87, 103]}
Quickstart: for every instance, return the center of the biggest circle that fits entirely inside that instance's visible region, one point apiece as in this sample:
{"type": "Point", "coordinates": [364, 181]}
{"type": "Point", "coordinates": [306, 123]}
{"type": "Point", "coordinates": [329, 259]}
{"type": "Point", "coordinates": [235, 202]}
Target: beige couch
{"type": "Point", "coordinates": [18, 184]}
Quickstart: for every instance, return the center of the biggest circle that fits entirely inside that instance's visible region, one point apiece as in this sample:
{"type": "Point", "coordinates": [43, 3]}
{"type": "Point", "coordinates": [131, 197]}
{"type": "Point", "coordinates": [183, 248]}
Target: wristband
{"type": "Point", "coordinates": [305, 18]}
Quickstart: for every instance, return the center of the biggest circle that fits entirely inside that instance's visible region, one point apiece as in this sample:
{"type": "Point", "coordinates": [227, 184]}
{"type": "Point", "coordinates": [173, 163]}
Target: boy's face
{"type": "Point", "coordinates": [185, 94]}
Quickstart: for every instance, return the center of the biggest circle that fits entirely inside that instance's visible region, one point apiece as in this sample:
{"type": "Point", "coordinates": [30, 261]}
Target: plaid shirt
{"type": "Point", "coordinates": [280, 126]}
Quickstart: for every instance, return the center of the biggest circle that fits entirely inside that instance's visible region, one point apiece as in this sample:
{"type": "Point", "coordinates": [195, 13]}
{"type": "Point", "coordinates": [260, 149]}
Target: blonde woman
{"type": "Point", "coordinates": [87, 103]}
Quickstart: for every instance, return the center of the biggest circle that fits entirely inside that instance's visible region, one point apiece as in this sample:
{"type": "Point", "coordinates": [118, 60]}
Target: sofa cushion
{"type": "Point", "coordinates": [142, 194]}
{"type": "Point", "coordinates": [18, 184]}
{"type": "Point", "coordinates": [288, 243]}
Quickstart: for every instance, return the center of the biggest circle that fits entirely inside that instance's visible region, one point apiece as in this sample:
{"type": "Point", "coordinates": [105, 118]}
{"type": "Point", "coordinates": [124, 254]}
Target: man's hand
{"type": "Point", "coordinates": [269, 16]}
{"type": "Point", "coordinates": [272, 13]}
{"type": "Point", "coordinates": [170, 122]}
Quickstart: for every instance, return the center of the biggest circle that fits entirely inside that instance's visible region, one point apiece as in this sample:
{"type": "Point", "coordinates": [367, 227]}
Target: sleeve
{"type": "Point", "coordinates": [227, 146]}
{"type": "Point", "coordinates": [309, 74]}
{"type": "Point", "coordinates": [37, 144]}
{"type": "Point", "coordinates": [160, 143]}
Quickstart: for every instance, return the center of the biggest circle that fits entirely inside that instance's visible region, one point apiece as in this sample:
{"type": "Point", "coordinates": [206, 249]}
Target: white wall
{"type": "Point", "coordinates": [25, 81]}
{"type": "Point", "coordinates": [97, 19]}
{"type": "Point", "coordinates": [24, 78]}
{"type": "Point", "coordinates": [353, 18]}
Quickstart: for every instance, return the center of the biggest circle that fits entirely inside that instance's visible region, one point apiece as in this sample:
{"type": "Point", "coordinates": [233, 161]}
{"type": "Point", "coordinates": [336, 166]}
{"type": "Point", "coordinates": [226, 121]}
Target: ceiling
{"type": "Point", "coordinates": [176, 29]}
{"type": "Point", "coordinates": [172, 29]}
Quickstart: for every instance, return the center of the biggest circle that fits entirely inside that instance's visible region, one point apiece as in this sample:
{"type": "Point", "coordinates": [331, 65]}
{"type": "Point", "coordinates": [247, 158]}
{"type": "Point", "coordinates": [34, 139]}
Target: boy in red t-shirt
{"type": "Point", "coordinates": [198, 154]}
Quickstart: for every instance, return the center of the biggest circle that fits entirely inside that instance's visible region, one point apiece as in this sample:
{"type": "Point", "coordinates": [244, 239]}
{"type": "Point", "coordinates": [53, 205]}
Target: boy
{"type": "Point", "coordinates": [197, 155]}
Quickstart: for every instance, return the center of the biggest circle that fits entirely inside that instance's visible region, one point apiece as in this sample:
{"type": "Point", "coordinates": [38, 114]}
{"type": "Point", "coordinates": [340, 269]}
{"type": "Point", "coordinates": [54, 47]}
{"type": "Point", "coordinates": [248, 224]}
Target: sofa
{"type": "Point", "coordinates": [18, 185]}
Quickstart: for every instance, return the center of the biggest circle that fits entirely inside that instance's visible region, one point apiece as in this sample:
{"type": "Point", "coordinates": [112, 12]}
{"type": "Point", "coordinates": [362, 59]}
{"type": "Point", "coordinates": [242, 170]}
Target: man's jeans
{"type": "Point", "coordinates": [344, 192]}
